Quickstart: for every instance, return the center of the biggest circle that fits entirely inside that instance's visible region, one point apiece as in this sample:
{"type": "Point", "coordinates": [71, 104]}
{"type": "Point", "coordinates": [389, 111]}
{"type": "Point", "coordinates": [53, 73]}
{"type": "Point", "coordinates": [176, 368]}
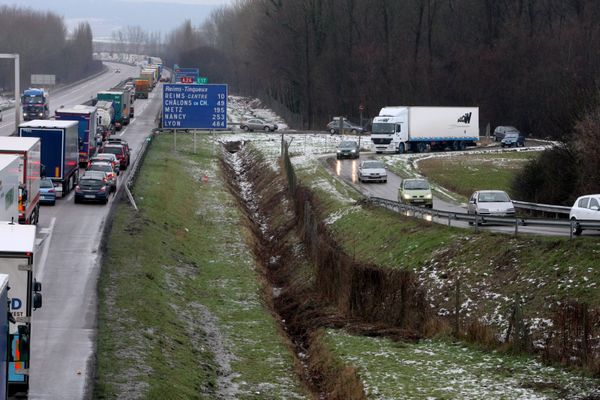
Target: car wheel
{"type": "Point", "coordinates": [267, 129]}
{"type": "Point", "coordinates": [53, 203]}
{"type": "Point", "coordinates": [332, 131]}
{"type": "Point", "coordinates": [105, 201]}
{"type": "Point", "coordinates": [76, 200]}
{"type": "Point", "coordinates": [353, 131]}
{"type": "Point", "coordinates": [246, 128]}
{"type": "Point", "coordinates": [575, 227]}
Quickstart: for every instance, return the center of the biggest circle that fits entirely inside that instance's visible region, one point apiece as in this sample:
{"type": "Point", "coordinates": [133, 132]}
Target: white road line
{"type": "Point", "coordinates": [122, 133]}
{"type": "Point", "coordinates": [42, 264]}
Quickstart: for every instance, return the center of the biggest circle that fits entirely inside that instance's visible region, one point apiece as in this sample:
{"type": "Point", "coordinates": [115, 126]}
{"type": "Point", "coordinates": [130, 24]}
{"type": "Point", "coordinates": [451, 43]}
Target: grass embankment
{"type": "Point", "coordinates": [493, 269]}
{"type": "Point", "coordinates": [180, 310]}
{"type": "Point", "coordinates": [465, 174]}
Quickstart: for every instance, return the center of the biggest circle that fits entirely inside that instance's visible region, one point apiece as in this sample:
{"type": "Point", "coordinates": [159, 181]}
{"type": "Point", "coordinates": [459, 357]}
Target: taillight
{"type": "Point", "coordinates": [51, 190]}
{"type": "Point", "coordinates": [103, 189]}
{"type": "Point", "coordinates": [77, 188]}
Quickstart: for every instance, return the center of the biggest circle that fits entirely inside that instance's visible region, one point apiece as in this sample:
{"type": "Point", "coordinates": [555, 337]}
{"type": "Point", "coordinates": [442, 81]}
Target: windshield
{"type": "Point", "coordinates": [91, 183]}
{"type": "Point", "coordinates": [373, 164]}
{"type": "Point", "coordinates": [44, 183]}
{"type": "Point", "coordinates": [512, 135]}
{"type": "Point", "coordinates": [416, 185]}
{"type": "Point", "coordinates": [493, 197]}
{"type": "Point", "coordinates": [380, 127]}
{"type": "Point", "coordinates": [33, 100]}
{"type": "Point", "coordinates": [100, 167]}
{"type": "Point", "coordinates": [348, 144]}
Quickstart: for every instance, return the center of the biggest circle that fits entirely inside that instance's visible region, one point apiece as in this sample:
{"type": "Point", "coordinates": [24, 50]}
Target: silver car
{"type": "Point", "coordinates": [491, 203]}
{"type": "Point", "coordinates": [334, 127]}
{"type": "Point", "coordinates": [372, 171]}
{"type": "Point", "coordinates": [255, 124]}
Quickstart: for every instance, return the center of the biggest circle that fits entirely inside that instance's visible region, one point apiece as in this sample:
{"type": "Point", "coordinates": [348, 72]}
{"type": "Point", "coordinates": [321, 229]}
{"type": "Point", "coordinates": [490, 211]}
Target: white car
{"type": "Point", "coordinates": [491, 203]}
{"type": "Point", "coordinates": [585, 208]}
{"type": "Point", "coordinates": [372, 171]}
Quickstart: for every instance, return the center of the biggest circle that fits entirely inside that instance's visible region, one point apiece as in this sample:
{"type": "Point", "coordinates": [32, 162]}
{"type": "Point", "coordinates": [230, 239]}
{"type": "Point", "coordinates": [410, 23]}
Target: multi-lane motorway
{"type": "Point", "coordinates": [67, 262]}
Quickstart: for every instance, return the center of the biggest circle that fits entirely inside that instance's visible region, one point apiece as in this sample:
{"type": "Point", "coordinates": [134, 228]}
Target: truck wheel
{"type": "Point", "coordinates": [400, 149]}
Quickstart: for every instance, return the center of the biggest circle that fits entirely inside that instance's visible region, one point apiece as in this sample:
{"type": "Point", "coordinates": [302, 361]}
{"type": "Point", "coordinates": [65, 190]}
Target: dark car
{"type": "Point", "coordinates": [513, 139]}
{"type": "Point", "coordinates": [118, 140]}
{"type": "Point", "coordinates": [92, 189]}
{"type": "Point", "coordinates": [47, 192]}
{"type": "Point", "coordinates": [119, 151]}
{"type": "Point", "coordinates": [348, 149]}
{"type": "Point", "coordinates": [334, 127]}
{"type": "Point", "coordinates": [501, 131]}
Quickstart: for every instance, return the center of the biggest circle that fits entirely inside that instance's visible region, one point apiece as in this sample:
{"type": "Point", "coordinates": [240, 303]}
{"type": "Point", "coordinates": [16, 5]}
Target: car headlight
{"type": "Point", "coordinates": [339, 151]}
{"type": "Point", "coordinates": [353, 151]}
{"type": "Point", "coordinates": [24, 114]}
{"type": "Point", "coordinates": [510, 210]}
{"type": "Point", "coordinates": [428, 196]}
{"type": "Point", "coordinates": [407, 196]}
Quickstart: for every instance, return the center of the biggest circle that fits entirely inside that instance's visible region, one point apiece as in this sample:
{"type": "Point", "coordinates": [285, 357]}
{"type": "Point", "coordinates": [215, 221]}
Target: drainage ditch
{"type": "Point", "coordinates": [298, 288]}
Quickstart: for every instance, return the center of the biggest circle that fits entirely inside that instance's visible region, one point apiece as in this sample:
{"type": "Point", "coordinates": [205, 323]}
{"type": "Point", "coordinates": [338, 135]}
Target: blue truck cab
{"type": "Point", "coordinates": [35, 104]}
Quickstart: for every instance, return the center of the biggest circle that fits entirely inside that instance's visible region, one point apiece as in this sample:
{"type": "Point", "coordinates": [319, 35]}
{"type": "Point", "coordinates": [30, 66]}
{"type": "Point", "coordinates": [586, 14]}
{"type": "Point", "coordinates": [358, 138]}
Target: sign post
{"type": "Point", "coordinates": [194, 106]}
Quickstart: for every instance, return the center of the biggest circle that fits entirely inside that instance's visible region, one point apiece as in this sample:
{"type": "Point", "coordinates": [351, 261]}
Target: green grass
{"type": "Point", "coordinates": [177, 283]}
{"type": "Point", "coordinates": [443, 370]}
{"type": "Point", "coordinates": [465, 174]}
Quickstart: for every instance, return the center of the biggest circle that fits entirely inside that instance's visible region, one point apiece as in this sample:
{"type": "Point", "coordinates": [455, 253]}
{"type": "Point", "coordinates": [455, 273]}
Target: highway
{"type": "Point", "coordinates": [78, 94]}
{"type": "Point", "coordinates": [347, 170]}
{"type": "Point", "coordinates": [68, 265]}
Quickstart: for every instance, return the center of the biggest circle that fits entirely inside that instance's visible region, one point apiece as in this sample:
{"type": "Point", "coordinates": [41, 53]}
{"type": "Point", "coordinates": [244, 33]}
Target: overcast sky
{"type": "Point", "coordinates": [105, 16]}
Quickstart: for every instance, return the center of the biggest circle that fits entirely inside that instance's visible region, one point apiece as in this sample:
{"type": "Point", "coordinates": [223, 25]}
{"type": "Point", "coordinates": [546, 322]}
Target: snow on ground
{"type": "Point", "coordinates": [6, 102]}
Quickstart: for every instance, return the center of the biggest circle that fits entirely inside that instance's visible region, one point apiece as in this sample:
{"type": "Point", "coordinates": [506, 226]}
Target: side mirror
{"type": "Point", "coordinates": [37, 286]}
{"type": "Point", "coordinates": [595, 208]}
{"type": "Point", "coordinates": [473, 201]}
{"type": "Point", "coordinates": [37, 300]}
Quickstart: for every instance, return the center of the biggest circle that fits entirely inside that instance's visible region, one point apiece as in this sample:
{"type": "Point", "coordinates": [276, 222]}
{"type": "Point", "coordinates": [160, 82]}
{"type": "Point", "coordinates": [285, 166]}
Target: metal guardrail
{"type": "Point", "coordinates": [549, 208]}
{"type": "Point", "coordinates": [477, 220]}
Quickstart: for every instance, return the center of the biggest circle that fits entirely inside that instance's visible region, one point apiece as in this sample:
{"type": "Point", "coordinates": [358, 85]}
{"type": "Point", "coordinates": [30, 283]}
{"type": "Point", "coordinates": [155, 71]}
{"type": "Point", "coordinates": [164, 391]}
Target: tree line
{"type": "Point", "coordinates": [41, 40]}
{"type": "Point", "coordinates": [533, 64]}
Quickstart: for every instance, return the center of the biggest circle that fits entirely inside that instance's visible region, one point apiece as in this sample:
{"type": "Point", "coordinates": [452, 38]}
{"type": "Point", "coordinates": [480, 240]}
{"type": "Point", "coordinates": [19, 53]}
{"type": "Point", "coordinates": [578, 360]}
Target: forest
{"type": "Point", "coordinates": [41, 40]}
{"type": "Point", "coordinates": [533, 64]}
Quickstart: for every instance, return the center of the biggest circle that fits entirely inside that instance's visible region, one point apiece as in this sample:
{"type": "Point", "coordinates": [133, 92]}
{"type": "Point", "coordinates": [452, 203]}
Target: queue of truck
{"type": "Point", "coordinates": [47, 152]}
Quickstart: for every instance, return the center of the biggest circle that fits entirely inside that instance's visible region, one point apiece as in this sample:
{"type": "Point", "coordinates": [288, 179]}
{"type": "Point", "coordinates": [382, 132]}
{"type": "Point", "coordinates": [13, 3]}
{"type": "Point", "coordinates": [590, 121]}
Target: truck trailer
{"type": "Point", "coordinates": [17, 249]}
{"type": "Point", "coordinates": [105, 117]}
{"type": "Point", "coordinates": [142, 88]}
{"type": "Point", "coordinates": [120, 101]}
{"type": "Point", "coordinates": [9, 188]}
{"type": "Point", "coordinates": [4, 332]}
{"type": "Point", "coordinates": [86, 117]}
{"type": "Point", "coordinates": [29, 152]}
{"type": "Point", "coordinates": [419, 129]}
{"type": "Point", "coordinates": [60, 150]}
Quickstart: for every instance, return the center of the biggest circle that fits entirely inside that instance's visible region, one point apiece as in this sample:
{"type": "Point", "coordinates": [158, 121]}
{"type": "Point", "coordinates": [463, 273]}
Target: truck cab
{"type": "Point", "coordinates": [35, 104]}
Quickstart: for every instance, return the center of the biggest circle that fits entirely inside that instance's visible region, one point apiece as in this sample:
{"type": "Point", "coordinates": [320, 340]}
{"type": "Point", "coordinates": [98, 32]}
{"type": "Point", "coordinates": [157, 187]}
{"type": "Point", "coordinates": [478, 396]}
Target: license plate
{"type": "Point", "coordinates": [90, 196]}
{"type": "Point", "coordinates": [418, 200]}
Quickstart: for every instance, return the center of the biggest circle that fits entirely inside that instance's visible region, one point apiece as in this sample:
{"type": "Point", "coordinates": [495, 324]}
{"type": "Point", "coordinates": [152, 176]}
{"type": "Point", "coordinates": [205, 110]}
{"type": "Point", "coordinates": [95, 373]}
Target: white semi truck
{"type": "Point", "coordinates": [419, 129]}
{"type": "Point", "coordinates": [17, 249]}
{"type": "Point", "coordinates": [9, 188]}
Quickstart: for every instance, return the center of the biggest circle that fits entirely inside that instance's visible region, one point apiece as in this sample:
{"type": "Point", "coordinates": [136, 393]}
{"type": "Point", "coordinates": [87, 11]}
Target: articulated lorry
{"type": "Point", "coordinates": [86, 117]}
{"type": "Point", "coordinates": [142, 87]}
{"type": "Point", "coordinates": [9, 188]}
{"type": "Point", "coordinates": [17, 249]}
{"type": "Point", "coordinates": [35, 104]}
{"type": "Point", "coordinates": [105, 118]}
{"type": "Point", "coordinates": [4, 332]}
{"type": "Point", "coordinates": [419, 129]}
{"type": "Point", "coordinates": [60, 151]}
{"type": "Point", "coordinates": [120, 101]}
{"type": "Point", "coordinates": [28, 150]}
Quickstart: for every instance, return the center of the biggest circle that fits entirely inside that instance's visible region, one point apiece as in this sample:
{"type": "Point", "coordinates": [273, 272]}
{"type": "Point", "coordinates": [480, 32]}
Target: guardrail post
{"type": "Point", "coordinates": [571, 230]}
{"type": "Point", "coordinates": [516, 226]}
{"type": "Point", "coordinates": [476, 222]}
{"type": "Point", "coordinates": [449, 224]}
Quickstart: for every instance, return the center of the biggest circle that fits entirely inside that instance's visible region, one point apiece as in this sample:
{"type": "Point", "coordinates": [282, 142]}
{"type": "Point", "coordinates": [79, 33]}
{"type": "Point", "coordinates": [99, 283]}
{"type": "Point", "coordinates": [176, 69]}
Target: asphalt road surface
{"type": "Point", "coordinates": [347, 170]}
{"type": "Point", "coordinates": [76, 95]}
{"type": "Point", "coordinates": [68, 265]}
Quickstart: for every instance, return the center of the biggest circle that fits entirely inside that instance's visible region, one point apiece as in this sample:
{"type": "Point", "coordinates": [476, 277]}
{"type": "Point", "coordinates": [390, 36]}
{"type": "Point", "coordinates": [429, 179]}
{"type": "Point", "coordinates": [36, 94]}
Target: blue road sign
{"type": "Point", "coordinates": [194, 106]}
{"type": "Point", "coordinates": [186, 75]}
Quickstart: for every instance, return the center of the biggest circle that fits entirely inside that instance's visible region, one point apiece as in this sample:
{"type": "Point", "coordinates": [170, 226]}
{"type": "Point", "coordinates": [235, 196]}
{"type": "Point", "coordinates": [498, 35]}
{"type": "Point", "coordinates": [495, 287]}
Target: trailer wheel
{"type": "Point", "coordinates": [421, 147]}
{"type": "Point", "coordinates": [461, 145]}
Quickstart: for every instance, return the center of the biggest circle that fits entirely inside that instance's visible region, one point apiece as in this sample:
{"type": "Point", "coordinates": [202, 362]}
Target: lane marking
{"type": "Point", "coordinates": [42, 264]}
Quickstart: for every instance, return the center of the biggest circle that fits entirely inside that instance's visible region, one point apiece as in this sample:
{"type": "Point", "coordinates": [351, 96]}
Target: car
{"type": "Point", "coordinates": [348, 149]}
{"type": "Point", "coordinates": [258, 124]}
{"type": "Point", "coordinates": [513, 139]}
{"type": "Point", "coordinates": [92, 189]}
{"type": "Point", "coordinates": [107, 157]}
{"type": "Point", "coordinates": [416, 192]}
{"type": "Point", "coordinates": [372, 171]}
{"type": "Point", "coordinates": [501, 131]}
{"type": "Point", "coordinates": [47, 192]}
{"type": "Point", "coordinates": [118, 140]}
{"type": "Point", "coordinates": [107, 168]}
{"type": "Point", "coordinates": [119, 151]}
{"type": "Point", "coordinates": [334, 127]}
{"type": "Point", "coordinates": [491, 203]}
{"type": "Point", "coordinates": [585, 208]}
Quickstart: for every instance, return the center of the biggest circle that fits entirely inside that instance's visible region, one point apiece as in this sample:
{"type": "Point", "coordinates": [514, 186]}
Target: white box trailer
{"type": "Point", "coordinates": [9, 188]}
{"type": "Point", "coordinates": [418, 129]}
{"type": "Point", "coordinates": [17, 249]}
{"type": "Point", "coordinates": [29, 151]}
